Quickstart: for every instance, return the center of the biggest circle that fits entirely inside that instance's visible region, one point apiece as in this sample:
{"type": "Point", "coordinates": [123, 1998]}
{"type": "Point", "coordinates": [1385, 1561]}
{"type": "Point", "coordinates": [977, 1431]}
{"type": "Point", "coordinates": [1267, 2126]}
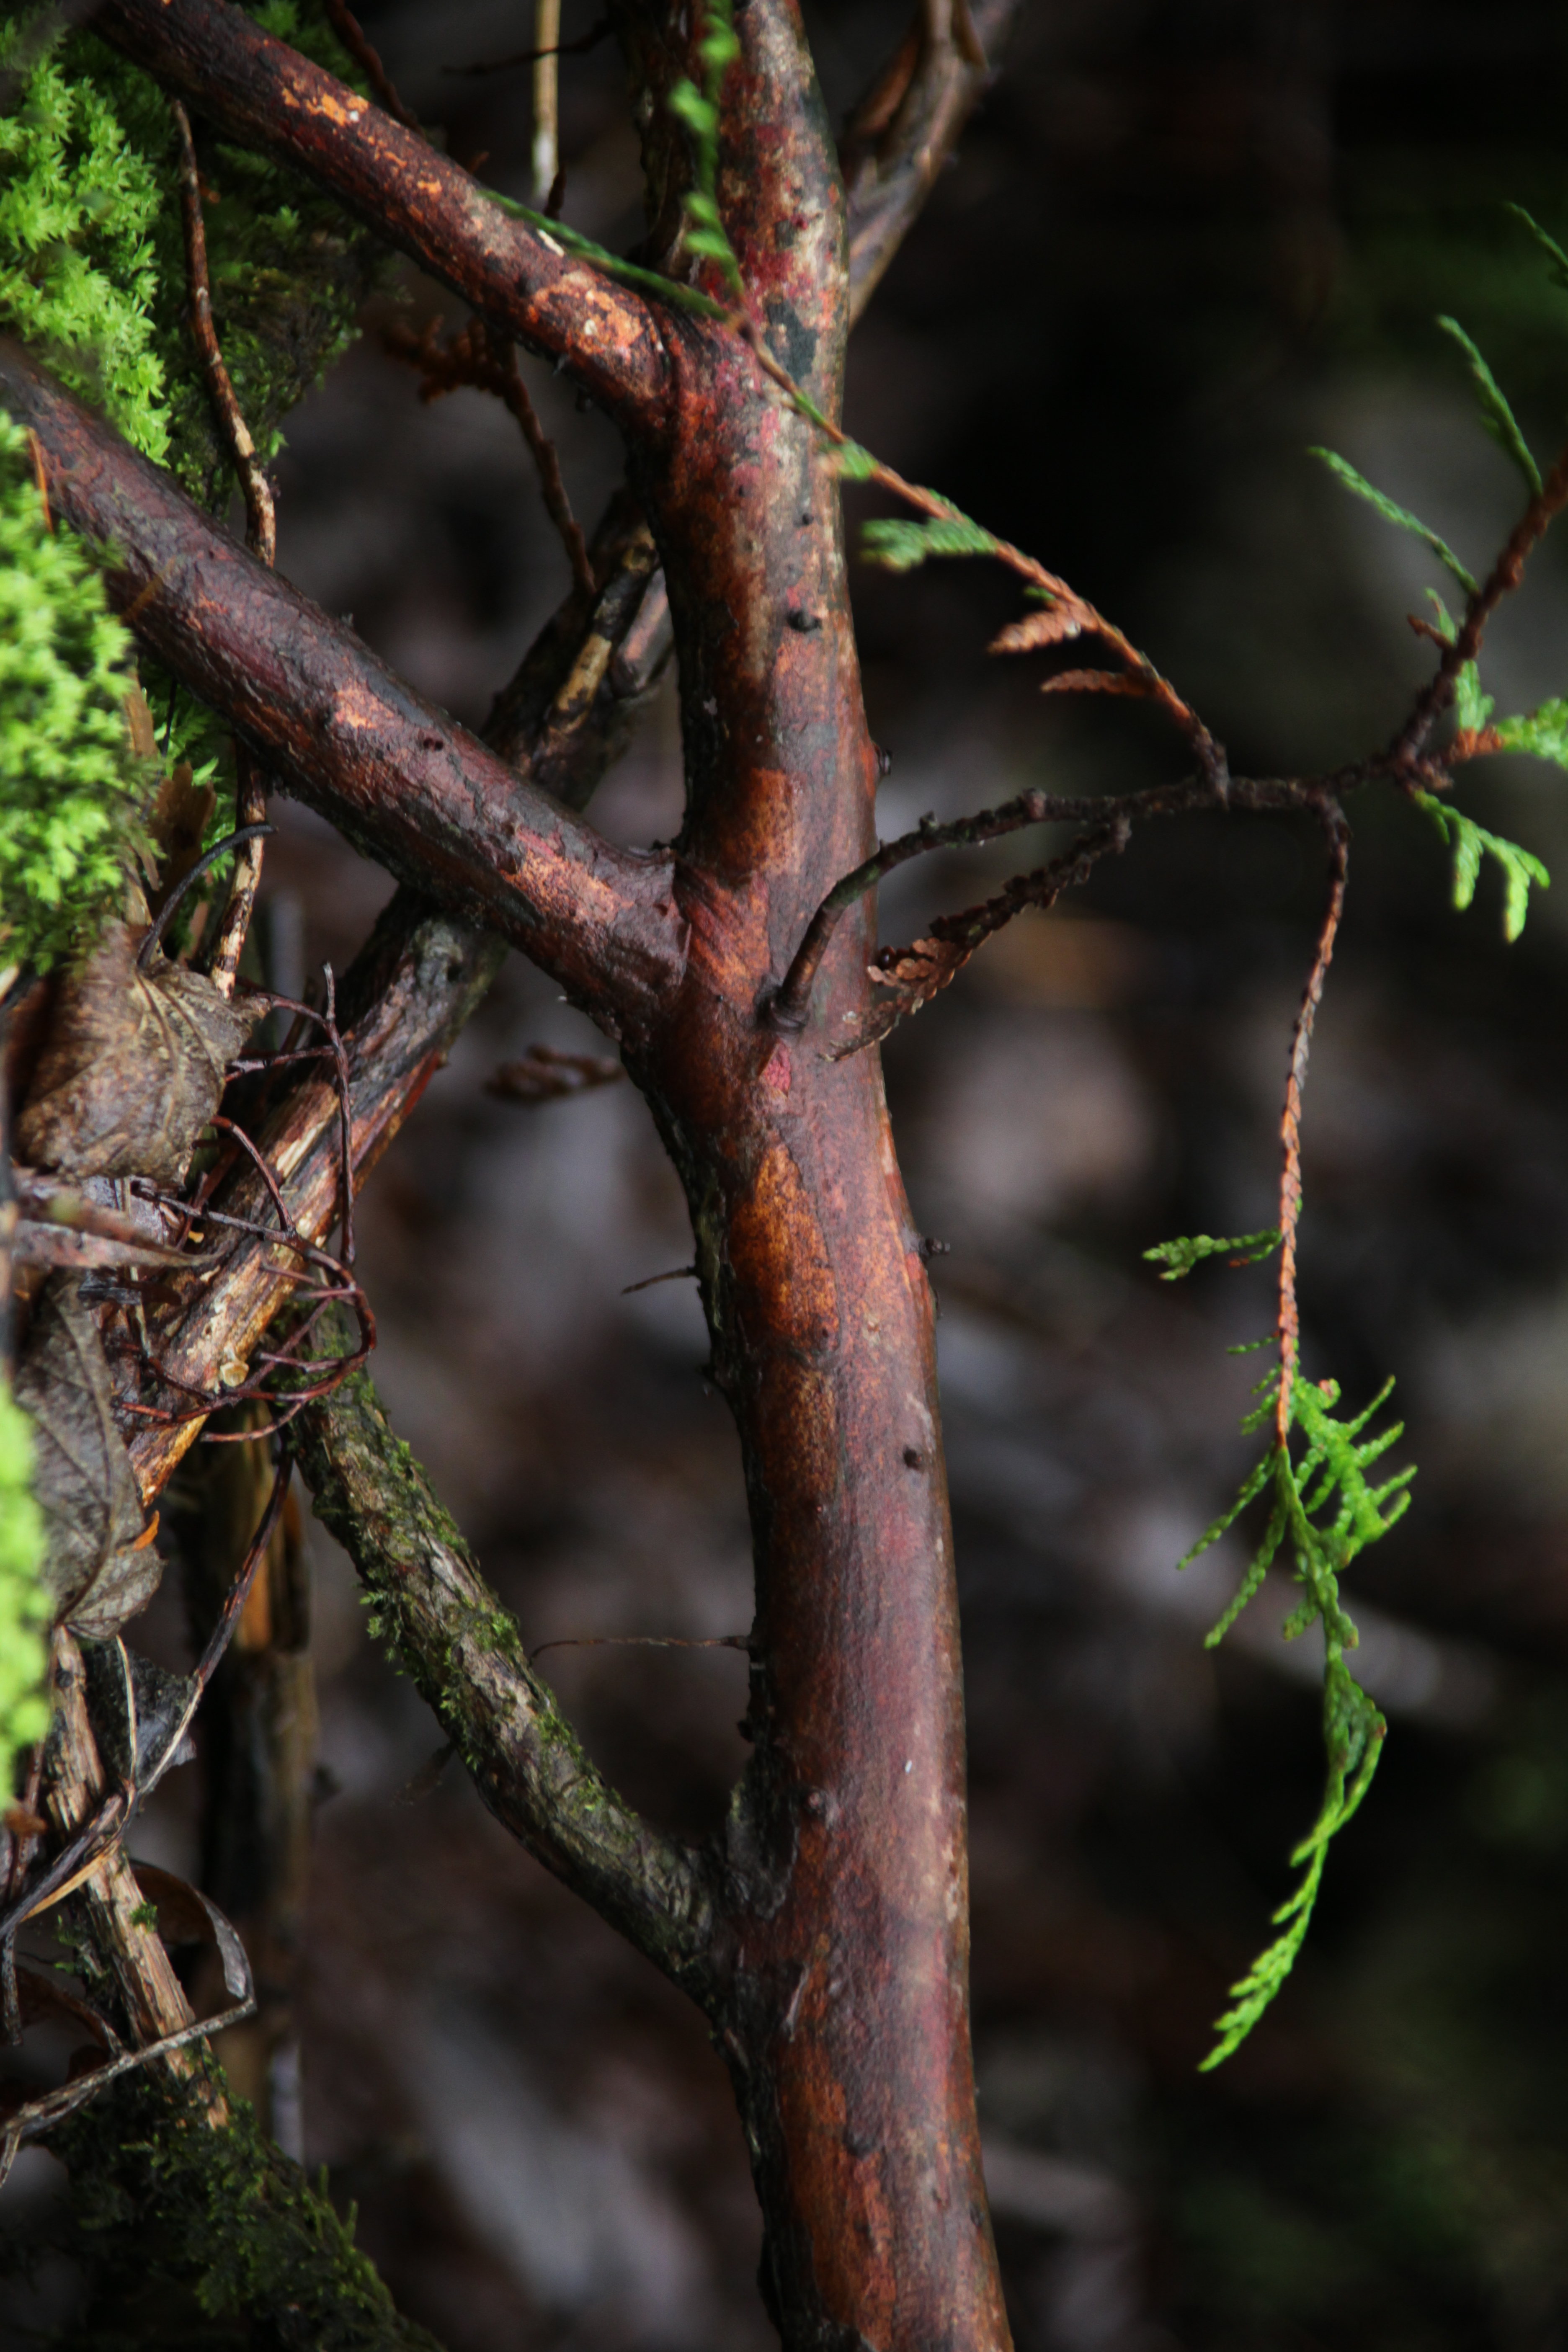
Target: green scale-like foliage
{"type": "Point", "coordinates": [1323, 1512]}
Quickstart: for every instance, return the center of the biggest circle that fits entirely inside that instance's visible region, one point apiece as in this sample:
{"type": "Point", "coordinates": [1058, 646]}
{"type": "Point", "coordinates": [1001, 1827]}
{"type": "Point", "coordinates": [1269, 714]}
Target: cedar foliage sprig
{"type": "Point", "coordinates": [1322, 1512]}
{"type": "Point", "coordinates": [717, 49]}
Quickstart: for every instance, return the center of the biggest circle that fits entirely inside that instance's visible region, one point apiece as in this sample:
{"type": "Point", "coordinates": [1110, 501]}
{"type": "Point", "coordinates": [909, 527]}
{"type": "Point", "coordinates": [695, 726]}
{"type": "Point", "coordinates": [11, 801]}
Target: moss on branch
{"type": "Point", "coordinates": [211, 2237]}
{"type": "Point", "coordinates": [445, 1627]}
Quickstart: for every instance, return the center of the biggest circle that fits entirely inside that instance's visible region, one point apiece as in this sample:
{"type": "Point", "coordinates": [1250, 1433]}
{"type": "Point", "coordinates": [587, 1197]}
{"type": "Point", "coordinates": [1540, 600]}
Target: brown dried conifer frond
{"type": "Point", "coordinates": [1050, 624]}
{"type": "Point", "coordinates": [1132, 682]}
{"type": "Point", "coordinates": [1289, 1326]}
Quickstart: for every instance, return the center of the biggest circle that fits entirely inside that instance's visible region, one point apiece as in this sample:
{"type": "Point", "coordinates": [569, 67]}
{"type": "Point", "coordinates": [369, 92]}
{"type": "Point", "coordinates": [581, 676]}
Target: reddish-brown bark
{"type": "Point", "coordinates": [341, 731]}
{"type": "Point", "coordinates": [832, 1947]}
{"type": "Point", "coordinates": [263, 94]}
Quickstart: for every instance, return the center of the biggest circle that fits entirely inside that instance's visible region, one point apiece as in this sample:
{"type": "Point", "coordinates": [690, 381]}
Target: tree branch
{"type": "Point", "coordinates": [466, 1658]}
{"type": "Point", "coordinates": [410, 990]}
{"type": "Point", "coordinates": [908, 124]}
{"type": "Point", "coordinates": [393, 773]}
{"type": "Point", "coordinates": [265, 95]}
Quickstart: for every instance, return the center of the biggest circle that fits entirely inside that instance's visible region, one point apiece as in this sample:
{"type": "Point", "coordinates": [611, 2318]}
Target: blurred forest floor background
{"type": "Point", "coordinates": [1182, 242]}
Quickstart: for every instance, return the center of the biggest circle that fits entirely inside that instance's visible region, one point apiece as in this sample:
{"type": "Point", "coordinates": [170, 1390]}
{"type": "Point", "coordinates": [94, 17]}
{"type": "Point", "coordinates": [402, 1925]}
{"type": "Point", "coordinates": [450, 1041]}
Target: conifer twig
{"type": "Point", "coordinates": [351, 33]}
{"type": "Point", "coordinates": [1338, 832]}
{"type": "Point", "coordinates": [261, 538]}
{"type": "Point", "coordinates": [261, 524]}
{"type": "Point", "coordinates": [1504, 577]}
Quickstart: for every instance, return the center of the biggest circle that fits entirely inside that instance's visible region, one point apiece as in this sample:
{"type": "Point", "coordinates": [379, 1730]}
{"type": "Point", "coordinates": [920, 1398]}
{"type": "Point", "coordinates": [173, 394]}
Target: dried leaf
{"type": "Point", "coordinates": [133, 1067]}
{"type": "Point", "coordinates": [45, 2001]}
{"type": "Point", "coordinates": [186, 1917]}
{"type": "Point", "coordinates": [181, 815]}
{"type": "Point", "coordinates": [83, 1480]}
{"type": "Point", "coordinates": [1051, 627]}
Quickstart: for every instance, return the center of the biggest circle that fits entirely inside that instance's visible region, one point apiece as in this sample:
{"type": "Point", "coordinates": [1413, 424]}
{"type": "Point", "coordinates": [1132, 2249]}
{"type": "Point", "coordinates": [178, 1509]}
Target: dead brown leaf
{"type": "Point", "coordinates": [132, 1069]}
{"type": "Point", "coordinates": [83, 1479]}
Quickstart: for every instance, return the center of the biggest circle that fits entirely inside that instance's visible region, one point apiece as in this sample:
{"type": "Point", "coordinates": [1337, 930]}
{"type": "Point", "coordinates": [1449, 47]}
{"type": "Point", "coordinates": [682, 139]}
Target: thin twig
{"type": "Point", "coordinates": [788, 1009]}
{"type": "Point", "coordinates": [908, 978]}
{"type": "Point", "coordinates": [479, 356]}
{"type": "Point", "coordinates": [577, 48]}
{"type": "Point", "coordinates": [237, 840]}
{"type": "Point", "coordinates": [1504, 577]}
{"type": "Point", "coordinates": [346, 25]}
{"type": "Point", "coordinates": [328, 1020]}
{"type": "Point", "coordinates": [1339, 837]}
{"type": "Point", "coordinates": [239, 1592]}
{"type": "Point", "coordinates": [261, 538]}
{"type": "Point", "coordinates": [546, 96]}
{"type": "Point", "coordinates": [673, 1274]}
{"type": "Point", "coordinates": [261, 521]}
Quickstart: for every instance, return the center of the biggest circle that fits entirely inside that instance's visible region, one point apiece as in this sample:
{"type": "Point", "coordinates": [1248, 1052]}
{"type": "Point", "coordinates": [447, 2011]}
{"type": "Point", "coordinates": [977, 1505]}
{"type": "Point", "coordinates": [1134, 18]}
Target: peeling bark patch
{"type": "Point", "coordinates": [776, 1248]}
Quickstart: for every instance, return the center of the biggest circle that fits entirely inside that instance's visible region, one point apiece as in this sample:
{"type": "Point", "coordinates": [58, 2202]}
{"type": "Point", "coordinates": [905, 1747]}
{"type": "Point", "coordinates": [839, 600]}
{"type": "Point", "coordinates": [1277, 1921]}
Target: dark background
{"type": "Point", "coordinates": [1182, 243]}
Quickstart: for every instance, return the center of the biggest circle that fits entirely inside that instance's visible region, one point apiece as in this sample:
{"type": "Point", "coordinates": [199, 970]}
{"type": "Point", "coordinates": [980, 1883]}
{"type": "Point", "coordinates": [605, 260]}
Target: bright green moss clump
{"type": "Point", "coordinates": [23, 1605]}
{"type": "Point", "coordinates": [73, 793]}
{"type": "Point", "coordinates": [78, 204]}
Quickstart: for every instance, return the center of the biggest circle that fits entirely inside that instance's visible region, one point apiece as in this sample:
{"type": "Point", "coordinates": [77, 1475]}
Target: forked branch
{"type": "Point", "coordinates": [1407, 750]}
{"type": "Point", "coordinates": [479, 356]}
{"type": "Point", "coordinates": [391, 771]}
{"type": "Point", "coordinates": [908, 124]}
{"type": "Point", "coordinates": [264, 94]}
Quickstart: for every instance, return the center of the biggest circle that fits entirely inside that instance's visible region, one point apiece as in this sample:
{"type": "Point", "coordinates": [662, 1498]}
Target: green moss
{"type": "Point", "coordinates": [92, 275]}
{"type": "Point", "coordinates": [212, 2237]}
{"type": "Point", "coordinates": [79, 202]}
{"type": "Point", "coordinates": [92, 264]}
{"type": "Point", "coordinates": [23, 1604]}
{"type": "Point", "coordinates": [72, 794]}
